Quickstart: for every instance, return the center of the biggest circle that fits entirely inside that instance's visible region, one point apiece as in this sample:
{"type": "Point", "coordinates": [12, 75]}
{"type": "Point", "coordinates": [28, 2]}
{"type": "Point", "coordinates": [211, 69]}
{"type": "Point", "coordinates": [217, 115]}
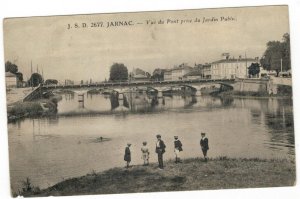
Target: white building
{"type": "Point", "coordinates": [168, 75]}
{"type": "Point", "coordinates": [177, 73]}
{"type": "Point", "coordinates": [231, 68]}
{"type": "Point", "coordinates": [139, 75]}
{"type": "Point", "coordinates": [207, 71]}
{"type": "Point", "coordinates": [11, 80]}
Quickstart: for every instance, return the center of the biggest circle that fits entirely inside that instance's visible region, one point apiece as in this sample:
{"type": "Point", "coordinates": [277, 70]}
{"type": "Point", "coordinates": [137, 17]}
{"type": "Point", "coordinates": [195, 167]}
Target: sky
{"type": "Point", "coordinates": [86, 53]}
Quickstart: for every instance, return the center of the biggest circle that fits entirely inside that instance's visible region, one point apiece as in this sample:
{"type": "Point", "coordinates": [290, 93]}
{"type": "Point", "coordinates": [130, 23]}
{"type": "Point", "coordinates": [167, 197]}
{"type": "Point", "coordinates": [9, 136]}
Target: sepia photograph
{"type": "Point", "coordinates": [152, 101]}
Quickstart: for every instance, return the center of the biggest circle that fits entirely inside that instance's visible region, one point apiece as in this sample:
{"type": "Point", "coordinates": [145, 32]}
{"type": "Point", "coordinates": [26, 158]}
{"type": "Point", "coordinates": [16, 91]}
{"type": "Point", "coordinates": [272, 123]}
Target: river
{"type": "Point", "coordinates": [49, 150]}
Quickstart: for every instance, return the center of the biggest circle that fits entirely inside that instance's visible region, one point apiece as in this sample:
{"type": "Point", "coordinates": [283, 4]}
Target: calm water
{"type": "Point", "coordinates": [48, 150]}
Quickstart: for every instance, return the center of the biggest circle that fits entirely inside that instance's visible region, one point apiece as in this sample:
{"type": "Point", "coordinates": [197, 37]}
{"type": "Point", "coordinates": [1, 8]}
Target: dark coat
{"type": "Point", "coordinates": [127, 156]}
{"type": "Point", "coordinates": [161, 147]}
{"type": "Point", "coordinates": [178, 145]}
{"type": "Point", "coordinates": [204, 144]}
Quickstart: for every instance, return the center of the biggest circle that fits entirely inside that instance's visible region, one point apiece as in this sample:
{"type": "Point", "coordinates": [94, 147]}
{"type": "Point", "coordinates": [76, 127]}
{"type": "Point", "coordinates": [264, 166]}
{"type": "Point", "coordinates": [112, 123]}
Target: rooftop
{"type": "Point", "coordinates": [9, 74]}
{"type": "Point", "coordinates": [230, 60]}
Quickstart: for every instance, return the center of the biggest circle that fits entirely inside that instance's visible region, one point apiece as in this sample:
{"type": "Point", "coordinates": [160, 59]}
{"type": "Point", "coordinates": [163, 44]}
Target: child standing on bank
{"type": "Point", "coordinates": [127, 156]}
{"type": "Point", "coordinates": [145, 153]}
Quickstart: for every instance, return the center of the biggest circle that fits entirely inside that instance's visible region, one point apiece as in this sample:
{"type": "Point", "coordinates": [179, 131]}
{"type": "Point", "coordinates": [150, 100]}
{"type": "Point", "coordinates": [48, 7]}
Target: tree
{"type": "Point", "coordinates": [19, 76]}
{"type": "Point", "coordinates": [35, 80]}
{"type": "Point", "coordinates": [10, 67]}
{"type": "Point", "coordinates": [276, 53]}
{"type": "Point", "coordinates": [253, 69]}
{"type": "Point", "coordinates": [158, 75]}
{"type": "Point", "coordinates": [118, 72]}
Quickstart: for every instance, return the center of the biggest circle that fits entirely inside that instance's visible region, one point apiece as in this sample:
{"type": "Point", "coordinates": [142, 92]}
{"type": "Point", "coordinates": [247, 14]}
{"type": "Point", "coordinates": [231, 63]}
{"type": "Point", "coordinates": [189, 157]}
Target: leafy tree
{"type": "Point", "coordinates": [253, 69]}
{"type": "Point", "coordinates": [10, 67]}
{"type": "Point", "coordinates": [19, 76]}
{"type": "Point", "coordinates": [35, 80]}
{"type": "Point", "coordinates": [158, 75]}
{"type": "Point", "coordinates": [118, 72]}
{"type": "Point", "coordinates": [51, 81]}
{"type": "Point", "coordinates": [275, 53]}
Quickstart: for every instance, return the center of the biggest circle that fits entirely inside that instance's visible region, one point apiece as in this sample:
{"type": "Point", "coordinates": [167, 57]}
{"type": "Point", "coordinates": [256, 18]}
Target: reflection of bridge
{"type": "Point", "coordinates": [119, 86]}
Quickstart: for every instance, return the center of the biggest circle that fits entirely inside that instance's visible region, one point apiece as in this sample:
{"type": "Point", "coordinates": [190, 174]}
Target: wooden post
{"type": "Point", "coordinates": [81, 100]}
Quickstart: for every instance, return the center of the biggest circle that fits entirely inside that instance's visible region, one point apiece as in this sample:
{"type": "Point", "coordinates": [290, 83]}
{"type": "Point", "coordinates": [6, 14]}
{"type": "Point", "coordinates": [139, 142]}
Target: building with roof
{"type": "Point", "coordinates": [193, 75]}
{"type": "Point", "coordinates": [168, 75]}
{"type": "Point", "coordinates": [158, 74]}
{"type": "Point", "coordinates": [231, 67]}
{"type": "Point", "coordinates": [177, 72]}
{"type": "Point", "coordinates": [139, 75]}
{"type": "Point", "coordinates": [11, 80]}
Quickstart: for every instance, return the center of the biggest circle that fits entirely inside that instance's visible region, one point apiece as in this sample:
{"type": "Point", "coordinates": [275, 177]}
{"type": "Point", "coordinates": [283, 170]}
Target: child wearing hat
{"type": "Point", "coordinates": [204, 145]}
{"type": "Point", "coordinates": [127, 156]}
{"type": "Point", "coordinates": [145, 153]}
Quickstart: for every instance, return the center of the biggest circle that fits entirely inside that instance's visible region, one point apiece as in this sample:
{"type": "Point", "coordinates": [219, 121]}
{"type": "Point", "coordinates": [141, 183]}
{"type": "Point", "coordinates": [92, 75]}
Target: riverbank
{"type": "Point", "coordinates": [192, 174]}
{"type": "Point", "coordinates": [35, 108]}
{"type": "Point", "coordinates": [252, 95]}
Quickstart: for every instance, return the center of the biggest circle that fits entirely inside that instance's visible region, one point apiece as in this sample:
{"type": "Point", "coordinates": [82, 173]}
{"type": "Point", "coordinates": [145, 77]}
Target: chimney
{"type": "Point", "coordinates": [225, 56]}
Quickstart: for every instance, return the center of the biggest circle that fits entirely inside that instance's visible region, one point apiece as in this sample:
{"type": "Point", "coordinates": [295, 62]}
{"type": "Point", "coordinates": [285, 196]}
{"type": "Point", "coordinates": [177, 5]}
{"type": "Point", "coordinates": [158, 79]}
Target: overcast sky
{"type": "Point", "coordinates": [84, 53]}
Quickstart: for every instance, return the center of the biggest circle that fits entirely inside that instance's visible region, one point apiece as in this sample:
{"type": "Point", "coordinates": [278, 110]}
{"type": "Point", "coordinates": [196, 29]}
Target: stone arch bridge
{"type": "Point", "coordinates": [120, 87]}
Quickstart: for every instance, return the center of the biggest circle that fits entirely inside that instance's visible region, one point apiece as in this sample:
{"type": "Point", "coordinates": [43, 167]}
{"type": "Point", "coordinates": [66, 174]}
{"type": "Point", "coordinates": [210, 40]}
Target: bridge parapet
{"type": "Point", "coordinates": [130, 84]}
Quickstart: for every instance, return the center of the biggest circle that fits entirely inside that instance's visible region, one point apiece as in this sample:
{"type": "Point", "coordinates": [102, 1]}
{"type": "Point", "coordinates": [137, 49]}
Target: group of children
{"type": "Point", "coordinates": [160, 149]}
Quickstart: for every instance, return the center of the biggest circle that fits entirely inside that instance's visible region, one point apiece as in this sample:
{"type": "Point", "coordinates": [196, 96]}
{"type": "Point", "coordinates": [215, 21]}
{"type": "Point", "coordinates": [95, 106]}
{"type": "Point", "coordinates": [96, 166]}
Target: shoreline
{"type": "Point", "coordinates": [192, 174]}
{"type": "Point", "coordinates": [261, 97]}
{"type": "Point", "coordinates": [251, 95]}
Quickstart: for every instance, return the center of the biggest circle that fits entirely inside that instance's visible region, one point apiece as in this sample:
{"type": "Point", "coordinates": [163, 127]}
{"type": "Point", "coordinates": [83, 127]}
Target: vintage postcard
{"type": "Point", "coordinates": [149, 101]}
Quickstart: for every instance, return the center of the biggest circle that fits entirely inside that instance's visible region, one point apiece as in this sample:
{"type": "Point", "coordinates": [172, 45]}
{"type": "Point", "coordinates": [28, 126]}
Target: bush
{"type": "Point", "coordinates": [27, 189]}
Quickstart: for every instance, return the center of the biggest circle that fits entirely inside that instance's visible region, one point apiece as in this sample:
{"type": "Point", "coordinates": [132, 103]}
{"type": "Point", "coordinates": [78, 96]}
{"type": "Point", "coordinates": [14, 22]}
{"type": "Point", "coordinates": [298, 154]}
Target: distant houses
{"type": "Point", "coordinates": [193, 75]}
{"type": "Point", "coordinates": [11, 80]}
{"type": "Point", "coordinates": [185, 72]}
{"type": "Point", "coordinates": [206, 71]}
{"type": "Point", "coordinates": [231, 67]}
{"type": "Point", "coordinates": [177, 72]}
{"type": "Point", "coordinates": [227, 67]}
{"type": "Point", "coordinates": [139, 75]}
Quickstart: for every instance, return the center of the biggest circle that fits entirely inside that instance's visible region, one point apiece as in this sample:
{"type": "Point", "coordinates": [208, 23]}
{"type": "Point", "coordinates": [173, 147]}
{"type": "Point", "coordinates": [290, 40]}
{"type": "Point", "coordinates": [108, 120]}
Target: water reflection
{"type": "Point", "coordinates": [276, 114]}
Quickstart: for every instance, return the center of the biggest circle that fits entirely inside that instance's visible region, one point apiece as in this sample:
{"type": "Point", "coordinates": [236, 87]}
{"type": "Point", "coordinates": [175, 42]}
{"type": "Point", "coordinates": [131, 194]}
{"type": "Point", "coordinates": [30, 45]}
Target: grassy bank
{"type": "Point", "coordinates": [192, 174]}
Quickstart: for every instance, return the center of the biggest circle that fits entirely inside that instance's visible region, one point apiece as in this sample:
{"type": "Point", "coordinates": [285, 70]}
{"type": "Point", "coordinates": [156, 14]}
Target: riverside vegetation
{"type": "Point", "coordinates": [192, 174]}
{"type": "Point", "coordinates": [45, 106]}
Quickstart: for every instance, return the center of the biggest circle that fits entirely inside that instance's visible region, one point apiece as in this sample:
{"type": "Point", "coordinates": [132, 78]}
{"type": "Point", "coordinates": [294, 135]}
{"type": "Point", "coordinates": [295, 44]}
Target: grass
{"type": "Point", "coordinates": [192, 174]}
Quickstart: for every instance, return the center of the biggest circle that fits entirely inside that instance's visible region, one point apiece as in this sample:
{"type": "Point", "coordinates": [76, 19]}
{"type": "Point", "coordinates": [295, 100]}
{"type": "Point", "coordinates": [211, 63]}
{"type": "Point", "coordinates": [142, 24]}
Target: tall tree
{"type": "Point", "coordinates": [35, 80]}
{"type": "Point", "coordinates": [277, 53]}
{"type": "Point", "coordinates": [10, 67]}
{"type": "Point", "coordinates": [118, 72]}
